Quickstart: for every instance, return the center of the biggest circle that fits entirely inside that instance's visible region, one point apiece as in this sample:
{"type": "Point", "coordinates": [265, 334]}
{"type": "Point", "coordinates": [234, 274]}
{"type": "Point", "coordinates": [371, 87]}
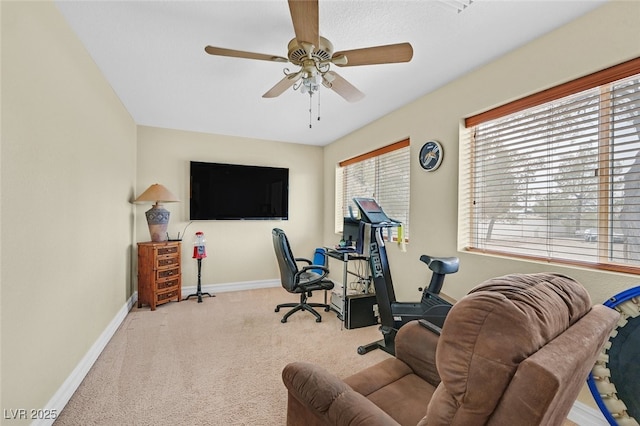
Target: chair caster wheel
{"type": "Point", "coordinates": [277, 310]}
{"type": "Point", "coordinates": [283, 320]}
{"type": "Point", "coordinates": [327, 309]}
{"type": "Point", "coordinates": [318, 319]}
{"type": "Point", "coordinates": [361, 350]}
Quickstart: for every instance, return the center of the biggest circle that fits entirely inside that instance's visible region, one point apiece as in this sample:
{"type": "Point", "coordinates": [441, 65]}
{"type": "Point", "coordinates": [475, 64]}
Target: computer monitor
{"type": "Point", "coordinates": [350, 231]}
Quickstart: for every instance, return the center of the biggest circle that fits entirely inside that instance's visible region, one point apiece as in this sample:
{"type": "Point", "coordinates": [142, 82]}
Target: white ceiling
{"type": "Point", "coordinates": [152, 54]}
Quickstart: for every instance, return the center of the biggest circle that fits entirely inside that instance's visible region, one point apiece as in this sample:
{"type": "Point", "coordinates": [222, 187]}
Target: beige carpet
{"type": "Point", "coordinates": [212, 363]}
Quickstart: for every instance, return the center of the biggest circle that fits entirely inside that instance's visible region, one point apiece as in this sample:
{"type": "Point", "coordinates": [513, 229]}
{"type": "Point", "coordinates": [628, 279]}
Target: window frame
{"type": "Point", "coordinates": [600, 79]}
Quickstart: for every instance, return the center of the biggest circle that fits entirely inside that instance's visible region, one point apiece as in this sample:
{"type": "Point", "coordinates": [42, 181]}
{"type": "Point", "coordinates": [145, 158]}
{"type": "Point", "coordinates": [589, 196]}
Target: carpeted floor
{"type": "Point", "coordinates": [212, 363]}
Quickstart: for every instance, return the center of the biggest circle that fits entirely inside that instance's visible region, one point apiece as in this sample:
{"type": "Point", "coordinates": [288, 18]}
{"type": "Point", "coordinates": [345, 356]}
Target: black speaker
{"type": "Point", "coordinates": [361, 311]}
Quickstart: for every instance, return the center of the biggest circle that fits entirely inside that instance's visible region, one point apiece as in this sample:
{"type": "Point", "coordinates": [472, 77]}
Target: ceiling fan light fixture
{"type": "Point", "coordinates": [309, 84]}
{"type": "Point", "coordinates": [340, 60]}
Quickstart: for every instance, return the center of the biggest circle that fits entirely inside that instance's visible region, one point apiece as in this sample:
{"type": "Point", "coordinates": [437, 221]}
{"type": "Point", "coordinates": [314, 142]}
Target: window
{"type": "Point", "coordinates": [556, 176]}
{"type": "Point", "coordinates": [382, 174]}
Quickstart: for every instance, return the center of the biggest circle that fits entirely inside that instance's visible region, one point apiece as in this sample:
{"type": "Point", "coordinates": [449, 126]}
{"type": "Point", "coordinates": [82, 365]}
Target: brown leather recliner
{"type": "Point", "coordinates": [515, 351]}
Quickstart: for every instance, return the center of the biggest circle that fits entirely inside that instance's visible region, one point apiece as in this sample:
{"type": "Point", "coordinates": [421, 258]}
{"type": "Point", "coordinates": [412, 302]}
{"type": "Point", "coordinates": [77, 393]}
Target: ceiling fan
{"type": "Point", "coordinates": [314, 55]}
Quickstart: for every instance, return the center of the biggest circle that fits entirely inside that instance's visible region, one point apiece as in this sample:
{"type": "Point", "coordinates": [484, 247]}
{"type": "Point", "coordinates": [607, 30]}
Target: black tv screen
{"type": "Point", "coordinates": [235, 192]}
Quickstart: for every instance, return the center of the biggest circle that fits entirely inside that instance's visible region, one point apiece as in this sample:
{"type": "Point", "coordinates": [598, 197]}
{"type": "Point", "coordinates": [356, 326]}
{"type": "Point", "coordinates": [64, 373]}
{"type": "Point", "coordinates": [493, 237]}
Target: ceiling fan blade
{"type": "Point", "coordinates": [304, 14]}
{"type": "Point", "coordinates": [388, 54]}
{"type": "Point", "coordinates": [220, 51]}
{"type": "Point", "coordinates": [342, 87]}
{"type": "Point", "coordinates": [282, 85]}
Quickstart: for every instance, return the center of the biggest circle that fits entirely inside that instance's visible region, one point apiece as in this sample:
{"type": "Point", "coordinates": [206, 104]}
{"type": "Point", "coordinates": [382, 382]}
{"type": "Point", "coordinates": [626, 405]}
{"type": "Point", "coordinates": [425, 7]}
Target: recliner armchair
{"type": "Point", "coordinates": [515, 351]}
{"type": "Point", "coordinates": [302, 281]}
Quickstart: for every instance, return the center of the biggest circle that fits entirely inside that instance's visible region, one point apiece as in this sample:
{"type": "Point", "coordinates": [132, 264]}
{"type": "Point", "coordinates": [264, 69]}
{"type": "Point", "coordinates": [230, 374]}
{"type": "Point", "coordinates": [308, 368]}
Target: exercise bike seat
{"type": "Point", "coordinates": [441, 265]}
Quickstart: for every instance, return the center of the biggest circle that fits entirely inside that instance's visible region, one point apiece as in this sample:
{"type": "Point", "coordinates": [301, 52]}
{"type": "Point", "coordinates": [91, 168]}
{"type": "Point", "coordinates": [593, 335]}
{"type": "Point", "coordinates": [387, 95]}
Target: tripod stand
{"type": "Point", "coordinates": [199, 292]}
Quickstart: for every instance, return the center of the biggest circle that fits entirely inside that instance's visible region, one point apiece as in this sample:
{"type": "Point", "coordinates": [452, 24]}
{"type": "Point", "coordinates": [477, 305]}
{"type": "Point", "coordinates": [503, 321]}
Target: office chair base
{"type": "Point", "coordinates": [302, 307]}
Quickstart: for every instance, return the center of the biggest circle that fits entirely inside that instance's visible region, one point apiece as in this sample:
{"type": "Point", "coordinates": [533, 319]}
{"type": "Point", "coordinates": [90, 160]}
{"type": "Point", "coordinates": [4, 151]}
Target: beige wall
{"type": "Point", "coordinates": [238, 251]}
{"type": "Point", "coordinates": [68, 171]}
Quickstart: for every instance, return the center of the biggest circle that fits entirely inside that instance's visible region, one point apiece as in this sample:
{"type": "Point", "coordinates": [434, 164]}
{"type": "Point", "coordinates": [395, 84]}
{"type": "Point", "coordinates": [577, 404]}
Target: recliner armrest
{"type": "Point", "coordinates": [430, 326]}
{"type": "Point", "coordinates": [416, 346]}
{"type": "Point", "coordinates": [328, 399]}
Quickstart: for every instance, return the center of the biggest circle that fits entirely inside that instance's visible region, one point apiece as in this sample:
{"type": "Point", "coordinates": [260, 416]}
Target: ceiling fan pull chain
{"type": "Point", "coordinates": [318, 105]}
{"type": "Point", "coordinates": [310, 104]}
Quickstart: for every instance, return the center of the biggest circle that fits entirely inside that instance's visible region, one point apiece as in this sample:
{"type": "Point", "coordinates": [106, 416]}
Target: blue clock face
{"type": "Point", "coordinates": [431, 155]}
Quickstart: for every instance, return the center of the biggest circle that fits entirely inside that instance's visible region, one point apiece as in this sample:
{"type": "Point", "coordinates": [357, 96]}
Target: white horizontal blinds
{"type": "Point", "coordinates": [561, 180]}
{"type": "Point", "coordinates": [359, 180]}
{"type": "Point", "coordinates": [624, 132]}
{"type": "Point", "coordinates": [383, 175]}
{"type": "Point", "coordinates": [393, 186]}
{"type": "Point", "coordinates": [535, 171]}
{"type": "Point", "coordinates": [465, 188]}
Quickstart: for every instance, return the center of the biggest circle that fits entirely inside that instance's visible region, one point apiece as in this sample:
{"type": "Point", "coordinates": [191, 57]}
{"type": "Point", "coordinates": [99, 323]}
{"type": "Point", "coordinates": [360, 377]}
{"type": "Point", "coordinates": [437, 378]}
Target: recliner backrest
{"type": "Point", "coordinates": [286, 261]}
{"type": "Point", "coordinates": [489, 333]}
{"type": "Point", "coordinates": [545, 385]}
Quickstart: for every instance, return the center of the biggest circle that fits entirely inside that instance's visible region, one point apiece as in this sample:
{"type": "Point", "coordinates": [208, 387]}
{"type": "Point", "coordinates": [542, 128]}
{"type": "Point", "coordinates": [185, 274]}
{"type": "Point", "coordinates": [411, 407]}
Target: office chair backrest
{"type": "Point", "coordinates": [286, 261]}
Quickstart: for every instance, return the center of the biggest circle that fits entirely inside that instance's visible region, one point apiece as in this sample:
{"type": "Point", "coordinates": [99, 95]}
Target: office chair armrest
{"type": "Point", "coordinates": [313, 268]}
{"type": "Point", "coordinates": [314, 394]}
{"type": "Point", "coordinates": [303, 259]}
{"type": "Point", "coordinates": [323, 268]}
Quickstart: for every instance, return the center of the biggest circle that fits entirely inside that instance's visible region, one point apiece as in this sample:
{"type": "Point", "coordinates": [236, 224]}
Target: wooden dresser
{"type": "Point", "coordinates": [159, 273]}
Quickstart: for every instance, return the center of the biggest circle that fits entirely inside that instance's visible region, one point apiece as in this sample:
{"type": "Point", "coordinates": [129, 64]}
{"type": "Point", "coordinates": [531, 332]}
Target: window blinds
{"type": "Point", "coordinates": [558, 181]}
{"type": "Point", "coordinates": [382, 174]}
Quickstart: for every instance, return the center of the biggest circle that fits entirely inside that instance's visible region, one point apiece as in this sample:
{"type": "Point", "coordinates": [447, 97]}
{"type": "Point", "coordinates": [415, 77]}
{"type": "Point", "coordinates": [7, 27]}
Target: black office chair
{"type": "Point", "coordinates": [302, 281]}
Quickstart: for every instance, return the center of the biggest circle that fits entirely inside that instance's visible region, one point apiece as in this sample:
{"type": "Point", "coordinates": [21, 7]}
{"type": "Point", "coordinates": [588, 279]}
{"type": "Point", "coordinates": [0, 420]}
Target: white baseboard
{"type": "Point", "coordinates": [580, 413]}
{"type": "Point", "coordinates": [222, 288]}
{"type": "Point", "coordinates": [65, 392]}
{"type": "Point", "coordinates": [584, 415]}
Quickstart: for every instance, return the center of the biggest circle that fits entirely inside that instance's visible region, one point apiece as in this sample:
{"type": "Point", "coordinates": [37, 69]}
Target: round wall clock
{"type": "Point", "coordinates": [431, 155]}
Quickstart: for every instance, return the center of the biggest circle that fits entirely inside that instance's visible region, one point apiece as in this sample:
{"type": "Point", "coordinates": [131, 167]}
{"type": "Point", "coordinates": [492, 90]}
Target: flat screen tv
{"type": "Point", "coordinates": [238, 192]}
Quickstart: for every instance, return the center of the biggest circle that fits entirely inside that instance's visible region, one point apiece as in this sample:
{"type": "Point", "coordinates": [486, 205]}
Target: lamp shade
{"type": "Point", "coordinates": [157, 216]}
{"type": "Point", "coordinates": [157, 193]}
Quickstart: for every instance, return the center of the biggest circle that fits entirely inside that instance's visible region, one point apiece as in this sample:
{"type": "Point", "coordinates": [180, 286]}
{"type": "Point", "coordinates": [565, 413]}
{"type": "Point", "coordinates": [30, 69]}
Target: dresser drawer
{"type": "Point", "coordinates": [168, 273]}
{"type": "Point", "coordinates": [165, 261]}
{"type": "Point", "coordinates": [162, 251]}
{"type": "Point", "coordinates": [168, 283]}
{"type": "Point", "coordinates": [167, 296]}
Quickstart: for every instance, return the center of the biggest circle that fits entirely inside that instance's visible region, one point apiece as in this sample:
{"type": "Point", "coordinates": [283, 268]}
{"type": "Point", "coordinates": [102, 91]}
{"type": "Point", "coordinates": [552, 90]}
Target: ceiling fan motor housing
{"type": "Point", "coordinates": [298, 54]}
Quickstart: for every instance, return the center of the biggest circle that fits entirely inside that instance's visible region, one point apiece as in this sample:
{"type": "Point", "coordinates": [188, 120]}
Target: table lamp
{"type": "Point", "coordinates": [157, 216]}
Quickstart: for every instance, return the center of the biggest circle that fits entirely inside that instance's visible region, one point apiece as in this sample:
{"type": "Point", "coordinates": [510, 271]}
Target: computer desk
{"type": "Point", "coordinates": [345, 257]}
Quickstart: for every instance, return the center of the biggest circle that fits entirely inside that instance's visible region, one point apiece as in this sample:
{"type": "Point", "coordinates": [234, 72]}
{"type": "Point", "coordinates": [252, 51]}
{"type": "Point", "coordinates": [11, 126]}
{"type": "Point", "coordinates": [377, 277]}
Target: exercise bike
{"type": "Point", "coordinates": [393, 314]}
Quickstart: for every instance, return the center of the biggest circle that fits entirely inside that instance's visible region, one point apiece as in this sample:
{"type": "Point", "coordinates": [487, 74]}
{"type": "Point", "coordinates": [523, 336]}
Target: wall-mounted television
{"type": "Point", "coordinates": [238, 192]}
